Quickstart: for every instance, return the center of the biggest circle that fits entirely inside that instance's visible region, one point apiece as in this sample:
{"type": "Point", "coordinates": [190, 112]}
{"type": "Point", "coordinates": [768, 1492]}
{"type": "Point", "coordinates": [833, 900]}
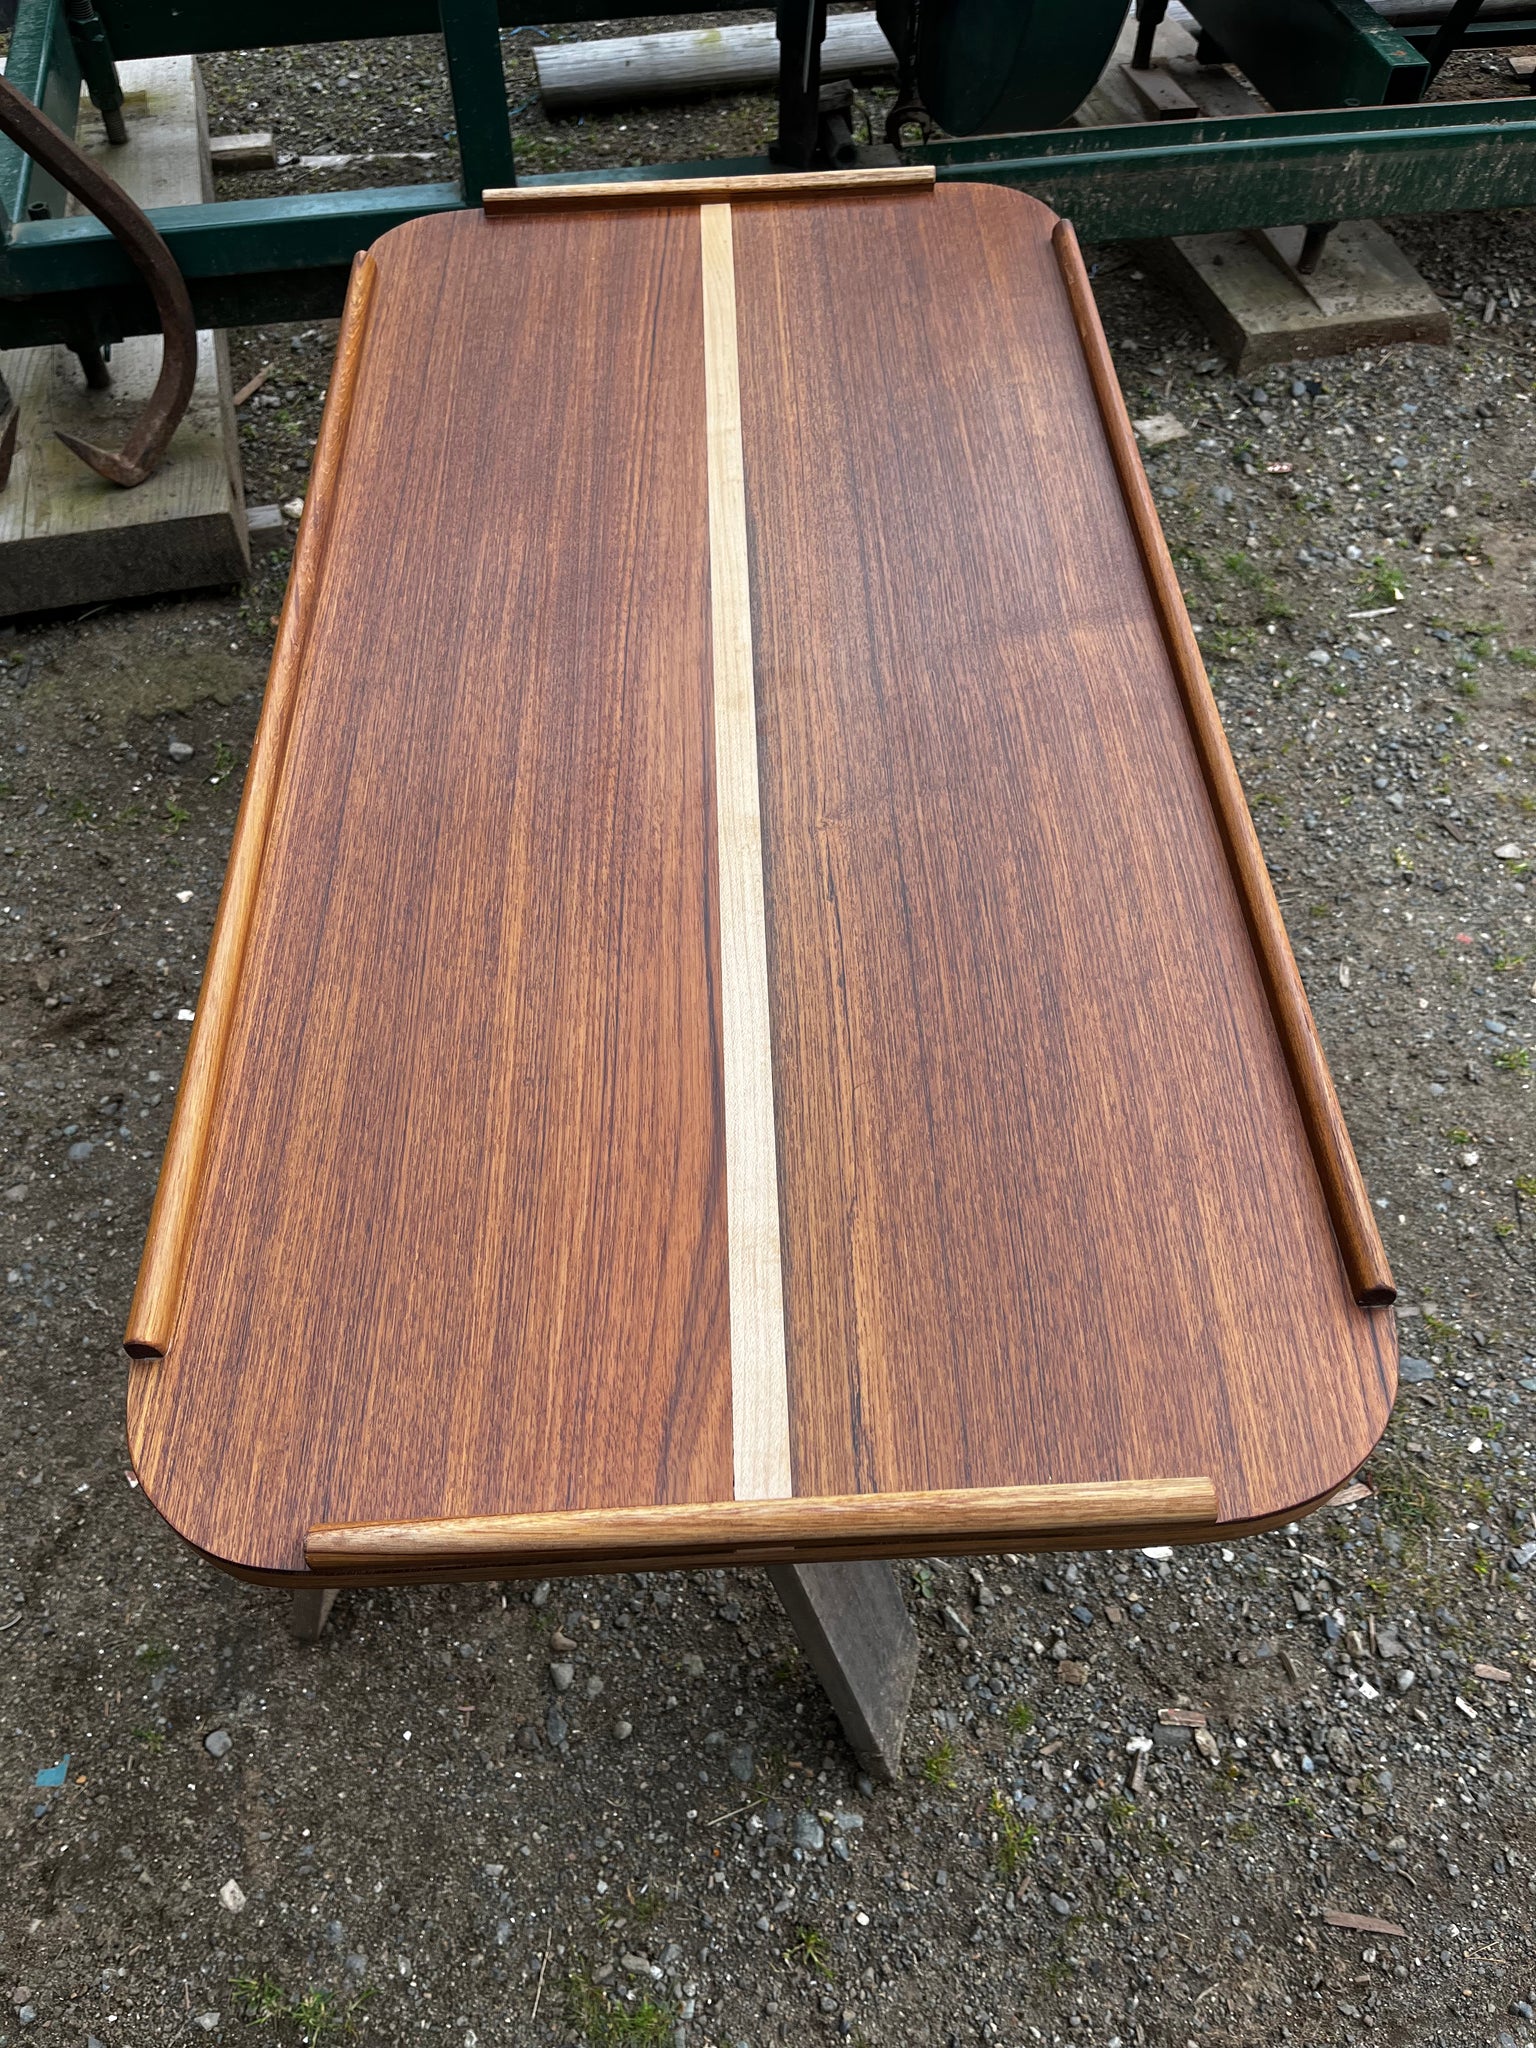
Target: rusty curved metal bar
{"type": "Point", "coordinates": [49, 146]}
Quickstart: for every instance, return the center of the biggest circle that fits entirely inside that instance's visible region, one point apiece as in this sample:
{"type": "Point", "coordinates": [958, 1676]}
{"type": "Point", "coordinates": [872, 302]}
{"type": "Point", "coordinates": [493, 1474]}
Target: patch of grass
{"type": "Point", "coordinates": [1242, 1831]}
{"type": "Point", "coordinates": [1438, 1327]}
{"type": "Point", "coordinates": [1057, 1972]}
{"type": "Point", "coordinates": [1020, 1718]}
{"type": "Point", "coordinates": [1458, 1135]}
{"type": "Point", "coordinates": [808, 1951]}
{"type": "Point", "coordinates": [1506, 963]}
{"type": "Point", "coordinates": [261, 1999]}
{"type": "Point", "coordinates": [223, 760]}
{"type": "Point", "coordinates": [1119, 1810]}
{"type": "Point", "coordinates": [177, 815]}
{"type": "Point", "coordinates": [1522, 657]}
{"type": "Point", "coordinates": [1381, 582]}
{"type": "Point", "coordinates": [1468, 688]}
{"type": "Point", "coordinates": [153, 1739]}
{"type": "Point", "coordinates": [316, 2017]}
{"type": "Point", "coordinates": [154, 1656]}
{"type": "Point", "coordinates": [1245, 570]}
{"type": "Point", "coordinates": [1015, 1839]}
{"type": "Point", "coordinates": [938, 1766]}
{"type": "Point", "coordinates": [1514, 1060]}
{"type": "Point", "coordinates": [1406, 1496]}
{"type": "Point", "coordinates": [608, 2022]}
{"type": "Point", "coordinates": [1525, 1186]}
{"type": "Point", "coordinates": [1402, 860]}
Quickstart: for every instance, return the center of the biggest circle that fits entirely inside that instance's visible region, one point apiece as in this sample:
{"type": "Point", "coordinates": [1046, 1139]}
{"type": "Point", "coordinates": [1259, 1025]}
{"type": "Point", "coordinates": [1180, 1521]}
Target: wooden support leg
{"type": "Point", "coordinates": [853, 1626]}
{"type": "Point", "coordinates": [310, 1612]}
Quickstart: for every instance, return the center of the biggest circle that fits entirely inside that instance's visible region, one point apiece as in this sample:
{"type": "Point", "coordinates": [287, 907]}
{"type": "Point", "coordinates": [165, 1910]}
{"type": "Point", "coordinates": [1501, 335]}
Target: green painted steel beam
{"type": "Point", "coordinates": [1315, 53]}
{"type": "Point", "coordinates": [1505, 33]}
{"type": "Point", "coordinates": [254, 260]}
{"type": "Point", "coordinates": [43, 65]}
{"type": "Point", "coordinates": [1138, 183]}
{"type": "Point", "coordinates": [472, 47]}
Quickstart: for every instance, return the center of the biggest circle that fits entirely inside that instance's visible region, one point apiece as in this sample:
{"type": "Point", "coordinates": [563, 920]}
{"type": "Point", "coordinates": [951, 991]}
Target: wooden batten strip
{"type": "Point", "coordinates": [1365, 1258]}
{"type": "Point", "coordinates": [157, 1297]}
{"type": "Point", "coordinates": [759, 1379]}
{"type": "Point", "coordinates": [1008, 1514]}
{"type": "Point", "coordinates": [503, 201]}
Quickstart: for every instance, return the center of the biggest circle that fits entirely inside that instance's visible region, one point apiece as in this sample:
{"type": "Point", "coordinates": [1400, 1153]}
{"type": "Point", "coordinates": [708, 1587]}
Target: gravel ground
{"type": "Point", "coordinates": [618, 1811]}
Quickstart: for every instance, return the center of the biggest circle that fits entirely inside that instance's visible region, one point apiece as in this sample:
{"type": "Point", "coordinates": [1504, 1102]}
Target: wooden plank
{"type": "Point", "coordinates": [1349, 1205]}
{"type": "Point", "coordinates": [502, 202]}
{"type": "Point", "coordinates": [461, 1242]}
{"type": "Point", "coordinates": [734, 58]}
{"type": "Point", "coordinates": [1363, 1923]}
{"type": "Point", "coordinates": [157, 1295]}
{"type": "Point", "coordinates": [1087, 1511]}
{"type": "Point", "coordinates": [1160, 97]}
{"type": "Point", "coordinates": [1042, 1165]}
{"type": "Point", "coordinates": [67, 536]}
{"type": "Point", "coordinates": [255, 151]}
{"type": "Point", "coordinates": [853, 1625]}
{"type": "Point", "coordinates": [759, 1386]}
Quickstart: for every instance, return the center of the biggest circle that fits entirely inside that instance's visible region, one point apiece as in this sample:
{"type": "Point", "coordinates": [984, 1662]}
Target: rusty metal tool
{"type": "Point", "coordinates": [48, 145]}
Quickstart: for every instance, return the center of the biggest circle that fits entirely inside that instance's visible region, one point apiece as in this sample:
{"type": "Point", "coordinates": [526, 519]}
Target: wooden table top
{"type": "Point", "coordinates": [747, 1018]}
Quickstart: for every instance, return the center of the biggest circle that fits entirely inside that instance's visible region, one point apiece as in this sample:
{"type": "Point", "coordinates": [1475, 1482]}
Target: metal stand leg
{"type": "Point", "coordinates": [310, 1612]}
{"type": "Point", "coordinates": [1149, 19]}
{"type": "Point", "coordinates": [853, 1626]}
{"type": "Point", "coordinates": [802, 28]}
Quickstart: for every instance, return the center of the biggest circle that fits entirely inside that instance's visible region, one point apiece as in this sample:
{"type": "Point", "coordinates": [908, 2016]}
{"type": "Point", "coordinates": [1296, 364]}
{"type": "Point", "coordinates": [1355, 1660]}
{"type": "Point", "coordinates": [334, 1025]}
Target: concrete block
{"type": "Point", "coordinates": [1259, 309]}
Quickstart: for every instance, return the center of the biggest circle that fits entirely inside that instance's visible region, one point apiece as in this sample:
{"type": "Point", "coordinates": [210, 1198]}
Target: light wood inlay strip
{"type": "Point", "coordinates": [759, 1383]}
{"type": "Point", "coordinates": [502, 200]}
{"type": "Point", "coordinates": [157, 1297]}
{"type": "Point", "coordinates": [1001, 1511]}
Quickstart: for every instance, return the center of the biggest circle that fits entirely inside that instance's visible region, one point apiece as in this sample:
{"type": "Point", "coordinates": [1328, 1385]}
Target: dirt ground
{"type": "Point", "coordinates": [619, 1811]}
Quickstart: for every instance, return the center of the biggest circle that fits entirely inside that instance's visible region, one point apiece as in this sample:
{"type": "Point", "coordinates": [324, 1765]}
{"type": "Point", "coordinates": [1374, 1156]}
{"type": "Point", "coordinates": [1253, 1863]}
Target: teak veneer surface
{"type": "Point", "coordinates": [1048, 1210]}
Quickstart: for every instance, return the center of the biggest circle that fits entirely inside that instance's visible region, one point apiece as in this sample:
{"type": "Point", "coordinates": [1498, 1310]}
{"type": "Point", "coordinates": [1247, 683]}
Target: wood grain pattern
{"type": "Point", "coordinates": [462, 1240]}
{"type": "Point", "coordinates": [504, 201]}
{"type": "Point", "coordinates": [759, 1384]}
{"type": "Point", "coordinates": [901, 1521]}
{"type": "Point", "coordinates": [1049, 1213]}
{"type": "Point", "coordinates": [1049, 1208]}
{"type": "Point", "coordinates": [157, 1295]}
{"type": "Point", "coordinates": [1349, 1205]}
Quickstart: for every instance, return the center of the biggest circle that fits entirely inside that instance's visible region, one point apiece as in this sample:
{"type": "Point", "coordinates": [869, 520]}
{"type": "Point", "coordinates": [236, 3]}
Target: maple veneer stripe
{"type": "Point", "coordinates": [157, 1297]}
{"type": "Point", "coordinates": [759, 1383]}
{"type": "Point", "coordinates": [1349, 1205]}
{"type": "Point", "coordinates": [1002, 1512]}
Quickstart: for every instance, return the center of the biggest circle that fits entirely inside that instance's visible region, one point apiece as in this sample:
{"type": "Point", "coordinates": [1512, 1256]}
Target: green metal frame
{"type": "Point", "coordinates": [1315, 53]}
{"type": "Point", "coordinates": [255, 260]}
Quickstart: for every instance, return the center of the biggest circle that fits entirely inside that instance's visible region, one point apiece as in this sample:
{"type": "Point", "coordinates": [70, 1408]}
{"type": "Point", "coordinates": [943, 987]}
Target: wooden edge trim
{"type": "Point", "coordinates": [504, 200]}
{"type": "Point", "coordinates": [157, 1297]}
{"type": "Point", "coordinates": [1019, 1511]}
{"type": "Point", "coordinates": [1365, 1258]}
